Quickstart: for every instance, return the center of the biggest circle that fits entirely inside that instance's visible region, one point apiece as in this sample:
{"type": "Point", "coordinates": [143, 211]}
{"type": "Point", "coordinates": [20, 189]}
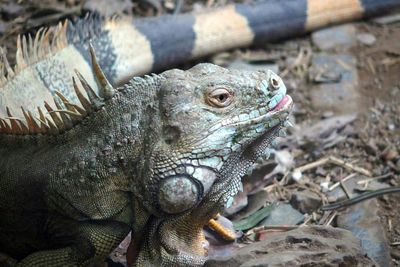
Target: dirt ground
{"type": "Point", "coordinates": [382, 85]}
{"type": "Point", "coordinates": [371, 141]}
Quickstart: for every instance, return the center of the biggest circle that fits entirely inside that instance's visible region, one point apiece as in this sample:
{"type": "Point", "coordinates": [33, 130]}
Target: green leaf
{"type": "Point", "coordinates": [253, 219]}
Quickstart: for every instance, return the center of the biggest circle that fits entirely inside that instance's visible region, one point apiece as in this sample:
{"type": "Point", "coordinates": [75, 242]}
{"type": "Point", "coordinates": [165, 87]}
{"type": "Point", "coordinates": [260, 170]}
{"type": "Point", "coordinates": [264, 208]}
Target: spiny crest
{"type": "Point", "coordinates": [82, 30]}
{"type": "Point", "coordinates": [66, 114]}
{"type": "Point", "coordinates": [46, 42]}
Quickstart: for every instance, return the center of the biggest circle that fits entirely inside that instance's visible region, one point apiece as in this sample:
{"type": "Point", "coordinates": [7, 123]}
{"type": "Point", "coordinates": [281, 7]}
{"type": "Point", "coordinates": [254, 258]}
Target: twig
{"type": "Point", "coordinates": [313, 188]}
{"type": "Point", "coordinates": [371, 66]}
{"type": "Point", "coordinates": [307, 220]}
{"type": "Point", "coordinates": [346, 191]}
{"type": "Point", "coordinates": [275, 227]}
{"type": "Point", "coordinates": [178, 7]}
{"type": "Point", "coordinates": [302, 59]}
{"type": "Point", "coordinates": [257, 230]}
{"type": "Point", "coordinates": [314, 216]}
{"type": "Point", "coordinates": [284, 180]}
{"type": "Point", "coordinates": [329, 221]}
{"type": "Point", "coordinates": [344, 65]}
{"type": "Point", "coordinates": [324, 218]}
{"type": "Point", "coordinates": [270, 187]}
{"type": "Point", "coordinates": [311, 165]}
{"type": "Point", "coordinates": [387, 62]}
{"type": "Point", "coordinates": [349, 166]}
{"type": "Point", "coordinates": [375, 178]}
{"type": "Point", "coordinates": [336, 161]}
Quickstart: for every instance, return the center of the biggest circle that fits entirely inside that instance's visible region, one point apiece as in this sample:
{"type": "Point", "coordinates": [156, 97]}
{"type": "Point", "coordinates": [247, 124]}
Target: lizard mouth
{"type": "Point", "coordinates": [284, 104]}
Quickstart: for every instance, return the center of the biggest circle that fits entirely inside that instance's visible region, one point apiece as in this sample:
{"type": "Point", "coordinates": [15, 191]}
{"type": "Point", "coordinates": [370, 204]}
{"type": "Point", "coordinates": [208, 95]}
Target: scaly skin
{"type": "Point", "coordinates": [162, 156]}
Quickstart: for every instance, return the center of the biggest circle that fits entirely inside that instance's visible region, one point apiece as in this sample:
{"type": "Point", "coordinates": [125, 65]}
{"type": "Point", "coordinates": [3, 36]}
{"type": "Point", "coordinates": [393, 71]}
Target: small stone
{"type": "Point", "coordinates": [283, 214]}
{"type": "Point", "coordinates": [329, 94]}
{"type": "Point", "coordinates": [371, 147]}
{"type": "Point", "coordinates": [366, 38]}
{"type": "Point", "coordinates": [328, 114]}
{"type": "Point", "coordinates": [239, 203]}
{"type": "Point", "coordinates": [304, 246]}
{"type": "Point", "coordinates": [395, 91]}
{"type": "Point", "coordinates": [320, 171]}
{"type": "Point", "coordinates": [3, 28]}
{"type": "Point", "coordinates": [363, 220]}
{"type": "Point", "coordinates": [11, 10]}
{"type": "Point", "coordinates": [338, 37]}
{"type": "Point", "coordinates": [297, 175]}
{"type": "Point", "coordinates": [331, 199]}
{"type": "Point", "coordinates": [305, 201]}
{"type": "Point", "coordinates": [325, 186]}
{"type": "Point", "coordinates": [391, 155]}
{"type": "Point", "coordinates": [389, 19]}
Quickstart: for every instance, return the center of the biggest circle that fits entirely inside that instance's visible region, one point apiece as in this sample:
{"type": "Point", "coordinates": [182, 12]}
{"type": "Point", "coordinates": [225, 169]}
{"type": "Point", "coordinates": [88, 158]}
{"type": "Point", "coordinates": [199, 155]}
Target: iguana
{"type": "Point", "coordinates": [161, 154]}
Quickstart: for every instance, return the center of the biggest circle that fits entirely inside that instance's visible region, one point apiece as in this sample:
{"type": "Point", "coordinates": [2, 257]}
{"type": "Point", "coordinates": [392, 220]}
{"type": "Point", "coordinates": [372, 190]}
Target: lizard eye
{"type": "Point", "coordinates": [219, 98]}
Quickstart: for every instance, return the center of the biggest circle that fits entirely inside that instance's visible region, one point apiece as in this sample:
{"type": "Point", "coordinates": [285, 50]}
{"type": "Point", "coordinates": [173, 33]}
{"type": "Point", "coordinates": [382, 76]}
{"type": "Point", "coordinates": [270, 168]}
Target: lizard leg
{"type": "Point", "coordinates": [94, 242]}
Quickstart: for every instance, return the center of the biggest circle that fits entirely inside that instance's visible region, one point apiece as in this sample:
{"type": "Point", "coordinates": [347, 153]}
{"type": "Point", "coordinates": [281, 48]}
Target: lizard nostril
{"type": "Point", "coordinates": [274, 83]}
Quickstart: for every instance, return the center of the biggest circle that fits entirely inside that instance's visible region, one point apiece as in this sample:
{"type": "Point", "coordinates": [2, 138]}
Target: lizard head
{"type": "Point", "coordinates": [215, 124]}
{"type": "Point", "coordinates": [213, 119]}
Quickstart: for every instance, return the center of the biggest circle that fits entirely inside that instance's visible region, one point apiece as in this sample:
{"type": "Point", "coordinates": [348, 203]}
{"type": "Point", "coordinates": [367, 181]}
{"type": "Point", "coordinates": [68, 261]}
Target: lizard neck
{"type": "Point", "coordinates": [118, 136]}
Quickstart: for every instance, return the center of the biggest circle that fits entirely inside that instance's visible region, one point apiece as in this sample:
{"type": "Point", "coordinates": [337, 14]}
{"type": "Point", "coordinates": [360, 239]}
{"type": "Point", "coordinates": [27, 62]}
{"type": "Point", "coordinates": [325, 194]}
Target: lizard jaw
{"type": "Point", "coordinates": [285, 104]}
{"type": "Point", "coordinates": [253, 149]}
